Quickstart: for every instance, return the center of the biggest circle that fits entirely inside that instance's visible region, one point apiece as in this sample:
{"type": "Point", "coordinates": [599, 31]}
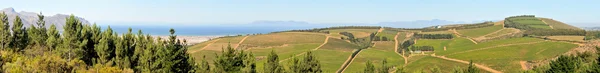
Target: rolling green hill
{"type": "Point", "coordinates": [504, 49]}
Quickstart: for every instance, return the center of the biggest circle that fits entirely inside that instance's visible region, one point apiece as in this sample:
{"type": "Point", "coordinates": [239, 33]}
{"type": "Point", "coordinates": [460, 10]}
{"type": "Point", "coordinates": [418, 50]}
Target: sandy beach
{"type": "Point", "coordinates": [192, 39]}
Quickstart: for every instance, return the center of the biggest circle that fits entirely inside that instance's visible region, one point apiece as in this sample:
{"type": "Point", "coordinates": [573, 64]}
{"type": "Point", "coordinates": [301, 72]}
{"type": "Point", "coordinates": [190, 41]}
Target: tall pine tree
{"type": "Point", "coordinates": [19, 36]}
{"type": "Point", "coordinates": [272, 65]}
{"type": "Point", "coordinates": [4, 31]}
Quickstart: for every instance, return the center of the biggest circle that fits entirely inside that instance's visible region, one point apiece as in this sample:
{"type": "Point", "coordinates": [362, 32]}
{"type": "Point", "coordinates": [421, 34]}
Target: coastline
{"type": "Point", "coordinates": [191, 40]}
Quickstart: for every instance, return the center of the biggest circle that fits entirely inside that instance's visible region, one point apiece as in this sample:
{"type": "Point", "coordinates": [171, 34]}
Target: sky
{"type": "Point", "coordinates": [312, 11]}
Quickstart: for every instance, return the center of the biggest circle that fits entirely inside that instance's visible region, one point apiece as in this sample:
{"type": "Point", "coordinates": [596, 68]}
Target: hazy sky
{"type": "Point", "coordinates": [313, 11]}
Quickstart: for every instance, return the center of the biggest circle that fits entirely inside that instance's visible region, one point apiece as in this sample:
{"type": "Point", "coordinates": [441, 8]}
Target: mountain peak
{"type": "Point", "coordinates": [10, 9]}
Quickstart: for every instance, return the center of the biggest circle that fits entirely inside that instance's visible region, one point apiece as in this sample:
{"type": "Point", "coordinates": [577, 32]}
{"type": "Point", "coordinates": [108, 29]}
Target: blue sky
{"type": "Point", "coordinates": [312, 11]}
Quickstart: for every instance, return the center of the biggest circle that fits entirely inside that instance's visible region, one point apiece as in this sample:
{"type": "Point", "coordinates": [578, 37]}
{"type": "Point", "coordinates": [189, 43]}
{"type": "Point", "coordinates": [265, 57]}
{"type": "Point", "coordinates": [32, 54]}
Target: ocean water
{"type": "Point", "coordinates": [207, 30]}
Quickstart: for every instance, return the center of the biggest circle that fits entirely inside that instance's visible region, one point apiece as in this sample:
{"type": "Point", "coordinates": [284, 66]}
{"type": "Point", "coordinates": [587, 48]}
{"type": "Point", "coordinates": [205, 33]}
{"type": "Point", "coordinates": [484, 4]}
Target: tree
{"type": "Point", "coordinates": [384, 67]}
{"type": "Point", "coordinates": [370, 68]}
{"type": "Point", "coordinates": [5, 33]}
{"type": "Point", "coordinates": [19, 36]}
{"type": "Point", "coordinates": [53, 38]}
{"type": "Point", "coordinates": [308, 64]}
{"type": "Point", "coordinates": [471, 68]}
{"type": "Point", "coordinates": [564, 64]}
{"type": "Point", "coordinates": [231, 60]}
{"type": "Point", "coordinates": [435, 69]}
{"type": "Point", "coordinates": [204, 67]}
{"type": "Point", "coordinates": [106, 48]}
{"type": "Point", "coordinates": [272, 65]}
{"type": "Point", "coordinates": [400, 70]}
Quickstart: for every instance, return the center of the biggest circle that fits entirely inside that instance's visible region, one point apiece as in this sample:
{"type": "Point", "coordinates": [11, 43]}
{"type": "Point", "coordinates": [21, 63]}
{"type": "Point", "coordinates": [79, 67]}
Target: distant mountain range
{"type": "Point", "coordinates": [399, 24]}
{"type": "Point", "coordinates": [30, 18]}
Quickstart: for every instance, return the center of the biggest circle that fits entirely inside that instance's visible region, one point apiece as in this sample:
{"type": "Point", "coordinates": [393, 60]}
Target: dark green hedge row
{"type": "Point", "coordinates": [422, 48]}
{"type": "Point", "coordinates": [434, 36]}
{"type": "Point", "coordinates": [554, 32]}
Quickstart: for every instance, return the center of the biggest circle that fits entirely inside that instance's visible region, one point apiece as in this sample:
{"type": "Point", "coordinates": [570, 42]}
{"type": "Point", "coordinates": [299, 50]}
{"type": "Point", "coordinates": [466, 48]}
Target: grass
{"type": "Point", "coordinates": [200, 45]}
{"type": "Point", "coordinates": [531, 21]}
{"type": "Point", "coordinates": [376, 56]}
{"type": "Point", "coordinates": [559, 25]}
{"type": "Point", "coordinates": [208, 55]}
{"type": "Point", "coordinates": [358, 33]}
{"type": "Point", "coordinates": [384, 45]}
{"type": "Point", "coordinates": [502, 32]}
{"type": "Point", "coordinates": [221, 43]}
{"type": "Point", "coordinates": [331, 60]}
{"type": "Point", "coordinates": [477, 32]}
{"type": "Point", "coordinates": [506, 58]}
{"type": "Point", "coordinates": [339, 45]}
{"type": "Point", "coordinates": [425, 63]}
{"type": "Point", "coordinates": [463, 44]}
{"type": "Point", "coordinates": [568, 38]}
{"type": "Point", "coordinates": [279, 39]}
{"type": "Point", "coordinates": [282, 52]}
{"type": "Point", "coordinates": [389, 34]}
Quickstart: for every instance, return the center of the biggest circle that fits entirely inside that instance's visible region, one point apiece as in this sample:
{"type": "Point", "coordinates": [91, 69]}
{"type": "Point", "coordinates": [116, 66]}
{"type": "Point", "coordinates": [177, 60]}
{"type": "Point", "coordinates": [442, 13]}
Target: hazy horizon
{"type": "Point", "coordinates": [206, 12]}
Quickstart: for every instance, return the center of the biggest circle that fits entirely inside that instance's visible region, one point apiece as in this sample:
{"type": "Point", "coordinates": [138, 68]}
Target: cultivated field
{"type": "Point", "coordinates": [477, 32]}
{"type": "Point", "coordinates": [568, 38]}
{"type": "Point", "coordinates": [559, 25]}
{"type": "Point", "coordinates": [358, 33]}
{"type": "Point", "coordinates": [530, 21]}
{"type": "Point", "coordinates": [280, 39]}
{"type": "Point", "coordinates": [502, 32]}
{"type": "Point", "coordinates": [424, 63]}
{"type": "Point", "coordinates": [376, 56]}
{"type": "Point", "coordinates": [507, 58]}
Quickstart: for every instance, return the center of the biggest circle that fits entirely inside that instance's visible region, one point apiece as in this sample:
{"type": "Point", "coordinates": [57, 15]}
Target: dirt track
{"type": "Point", "coordinates": [467, 62]}
{"type": "Point", "coordinates": [325, 42]}
{"type": "Point", "coordinates": [396, 49]}
{"type": "Point", "coordinates": [546, 23]}
{"type": "Point", "coordinates": [193, 51]}
{"type": "Point", "coordinates": [240, 43]}
{"type": "Point", "coordinates": [347, 63]}
{"type": "Point", "coordinates": [495, 47]}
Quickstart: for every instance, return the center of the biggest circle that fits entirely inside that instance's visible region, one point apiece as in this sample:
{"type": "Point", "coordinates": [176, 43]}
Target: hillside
{"type": "Point", "coordinates": [512, 45]}
{"type": "Point", "coordinates": [30, 18]}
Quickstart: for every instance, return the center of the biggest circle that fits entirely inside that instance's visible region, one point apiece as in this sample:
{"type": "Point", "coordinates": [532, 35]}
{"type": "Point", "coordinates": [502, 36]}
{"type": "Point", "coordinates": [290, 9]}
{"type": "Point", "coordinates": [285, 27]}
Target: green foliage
{"type": "Point", "coordinates": [19, 35]}
{"type": "Point", "coordinates": [422, 48]}
{"type": "Point", "coordinates": [5, 33]}
{"type": "Point", "coordinates": [85, 48]}
{"type": "Point", "coordinates": [369, 67]}
{"type": "Point", "coordinates": [272, 65]}
{"type": "Point", "coordinates": [308, 64]}
{"type": "Point", "coordinates": [434, 36]}
{"type": "Point", "coordinates": [232, 60]}
{"type": "Point", "coordinates": [435, 69]}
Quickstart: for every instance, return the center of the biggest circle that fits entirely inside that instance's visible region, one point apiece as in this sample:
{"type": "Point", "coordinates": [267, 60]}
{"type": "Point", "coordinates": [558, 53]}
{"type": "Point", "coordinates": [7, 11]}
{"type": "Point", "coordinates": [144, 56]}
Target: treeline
{"type": "Point", "coordinates": [322, 30]}
{"type": "Point", "coordinates": [586, 62]}
{"type": "Point", "coordinates": [554, 32]}
{"type": "Point", "coordinates": [421, 48]}
{"type": "Point", "coordinates": [592, 35]}
{"type": "Point", "coordinates": [404, 46]}
{"type": "Point", "coordinates": [509, 22]}
{"type": "Point", "coordinates": [85, 48]}
{"type": "Point", "coordinates": [381, 38]}
{"type": "Point", "coordinates": [433, 36]}
{"type": "Point", "coordinates": [465, 26]}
